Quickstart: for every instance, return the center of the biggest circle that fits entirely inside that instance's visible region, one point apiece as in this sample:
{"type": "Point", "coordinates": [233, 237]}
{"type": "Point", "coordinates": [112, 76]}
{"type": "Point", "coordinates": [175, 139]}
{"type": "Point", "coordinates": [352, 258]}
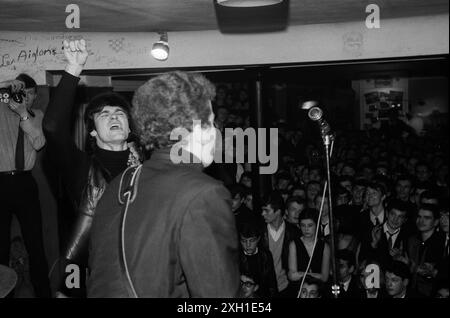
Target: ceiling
{"type": "Point", "coordinates": [187, 15]}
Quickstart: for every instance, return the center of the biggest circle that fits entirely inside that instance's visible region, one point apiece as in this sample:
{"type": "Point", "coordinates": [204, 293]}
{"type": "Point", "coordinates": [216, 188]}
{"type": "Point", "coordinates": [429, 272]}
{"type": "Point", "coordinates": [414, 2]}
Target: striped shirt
{"type": "Point", "coordinates": [9, 129]}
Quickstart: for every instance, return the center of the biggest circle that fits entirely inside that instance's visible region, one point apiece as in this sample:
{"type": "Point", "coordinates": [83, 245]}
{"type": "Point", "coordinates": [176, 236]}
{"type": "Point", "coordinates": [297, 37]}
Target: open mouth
{"type": "Point", "coordinates": [115, 127]}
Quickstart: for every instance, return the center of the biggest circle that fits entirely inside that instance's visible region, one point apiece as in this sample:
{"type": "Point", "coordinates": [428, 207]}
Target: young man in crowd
{"type": "Point", "coordinates": [426, 249]}
{"type": "Point", "coordinates": [241, 212]}
{"type": "Point", "coordinates": [249, 286]}
{"type": "Point", "coordinates": [373, 216]}
{"type": "Point", "coordinates": [389, 240]}
{"type": "Point", "coordinates": [256, 259]}
{"type": "Point", "coordinates": [277, 237]}
{"type": "Point", "coordinates": [346, 269]}
{"type": "Point", "coordinates": [312, 288]}
{"type": "Point", "coordinates": [398, 278]}
{"type": "Point", "coordinates": [294, 206]}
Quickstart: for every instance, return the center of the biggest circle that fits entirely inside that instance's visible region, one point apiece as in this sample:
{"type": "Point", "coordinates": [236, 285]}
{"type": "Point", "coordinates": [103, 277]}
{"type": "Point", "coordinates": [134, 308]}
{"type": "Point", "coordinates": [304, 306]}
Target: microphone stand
{"type": "Point", "coordinates": [327, 139]}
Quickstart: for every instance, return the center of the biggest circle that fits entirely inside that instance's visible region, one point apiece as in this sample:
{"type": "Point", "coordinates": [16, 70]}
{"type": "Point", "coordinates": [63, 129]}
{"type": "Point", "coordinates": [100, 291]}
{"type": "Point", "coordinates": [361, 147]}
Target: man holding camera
{"type": "Point", "coordinates": [21, 137]}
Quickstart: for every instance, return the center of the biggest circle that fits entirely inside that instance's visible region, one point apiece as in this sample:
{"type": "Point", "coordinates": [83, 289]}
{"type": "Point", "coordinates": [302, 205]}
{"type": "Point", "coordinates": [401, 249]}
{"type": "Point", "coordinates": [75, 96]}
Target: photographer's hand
{"type": "Point", "coordinates": [76, 55]}
{"type": "Point", "coordinates": [15, 85]}
{"type": "Point", "coordinates": [19, 108]}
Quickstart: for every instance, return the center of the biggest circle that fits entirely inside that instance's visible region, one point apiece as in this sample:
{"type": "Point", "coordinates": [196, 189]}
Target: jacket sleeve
{"type": "Point", "coordinates": [271, 276]}
{"type": "Point", "coordinates": [57, 125]}
{"type": "Point", "coordinates": [209, 246]}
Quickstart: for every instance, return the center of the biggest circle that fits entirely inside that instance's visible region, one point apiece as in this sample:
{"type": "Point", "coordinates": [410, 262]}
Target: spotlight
{"type": "Point", "coordinates": [247, 3]}
{"type": "Point", "coordinates": [160, 49]}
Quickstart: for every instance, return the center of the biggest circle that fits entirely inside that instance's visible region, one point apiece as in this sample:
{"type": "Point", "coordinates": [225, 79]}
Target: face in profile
{"type": "Point", "coordinates": [30, 96]}
{"type": "Point", "coordinates": [249, 201]}
{"type": "Point", "coordinates": [293, 211]}
{"type": "Point", "coordinates": [269, 214]}
{"type": "Point", "coordinates": [207, 140]}
{"type": "Point", "coordinates": [236, 202]}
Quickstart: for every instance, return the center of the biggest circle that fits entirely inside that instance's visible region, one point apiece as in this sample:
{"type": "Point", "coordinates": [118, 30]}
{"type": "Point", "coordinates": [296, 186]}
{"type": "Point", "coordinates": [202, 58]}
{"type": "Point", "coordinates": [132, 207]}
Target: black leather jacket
{"type": "Point", "coordinates": [90, 196]}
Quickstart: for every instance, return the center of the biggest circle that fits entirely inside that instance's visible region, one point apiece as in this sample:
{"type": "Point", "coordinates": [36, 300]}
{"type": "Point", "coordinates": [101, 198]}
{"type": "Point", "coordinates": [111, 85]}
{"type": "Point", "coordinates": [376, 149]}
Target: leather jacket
{"type": "Point", "coordinates": [93, 191]}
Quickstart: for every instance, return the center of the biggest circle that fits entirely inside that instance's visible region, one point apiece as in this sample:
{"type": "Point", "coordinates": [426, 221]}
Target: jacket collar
{"type": "Point", "coordinates": [161, 158]}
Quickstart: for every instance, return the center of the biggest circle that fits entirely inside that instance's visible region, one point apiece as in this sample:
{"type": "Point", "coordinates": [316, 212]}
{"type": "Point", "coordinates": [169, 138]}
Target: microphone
{"type": "Point", "coordinates": [316, 114]}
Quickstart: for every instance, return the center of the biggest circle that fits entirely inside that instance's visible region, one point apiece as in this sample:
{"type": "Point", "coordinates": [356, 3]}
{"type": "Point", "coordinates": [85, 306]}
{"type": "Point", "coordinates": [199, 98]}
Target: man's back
{"type": "Point", "coordinates": [180, 236]}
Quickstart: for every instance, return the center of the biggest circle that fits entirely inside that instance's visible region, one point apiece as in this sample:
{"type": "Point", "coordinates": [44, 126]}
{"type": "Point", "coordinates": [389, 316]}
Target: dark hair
{"type": "Point", "coordinates": [276, 201]}
{"type": "Point", "coordinates": [341, 190]}
{"type": "Point", "coordinates": [346, 255]}
{"type": "Point", "coordinates": [432, 208]}
{"type": "Point", "coordinates": [246, 271]}
{"type": "Point", "coordinates": [249, 229]}
{"type": "Point", "coordinates": [169, 101]}
{"type": "Point", "coordinates": [237, 189]}
{"type": "Point", "coordinates": [399, 269]}
{"type": "Point", "coordinates": [380, 187]}
{"type": "Point", "coordinates": [295, 199]}
{"type": "Point", "coordinates": [99, 102]}
{"type": "Point", "coordinates": [405, 177]}
{"type": "Point", "coordinates": [283, 175]}
{"type": "Point", "coordinates": [309, 280]}
{"type": "Point", "coordinates": [346, 178]}
{"type": "Point", "coordinates": [399, 205]}
{"type": "Point", "coordinates": [27, 80]}
{"type": "Point", "coordinates": [309, 214]}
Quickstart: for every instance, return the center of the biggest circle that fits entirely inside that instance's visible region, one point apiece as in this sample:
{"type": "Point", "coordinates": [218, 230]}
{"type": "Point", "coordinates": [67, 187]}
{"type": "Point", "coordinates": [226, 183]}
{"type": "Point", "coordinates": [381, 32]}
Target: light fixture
{"type": "Point", "coordinates": [160, 49]}
{"type": "Point", "coordinates": [247, 3]}
{"type": "Point", "coordinates": [251, 16]}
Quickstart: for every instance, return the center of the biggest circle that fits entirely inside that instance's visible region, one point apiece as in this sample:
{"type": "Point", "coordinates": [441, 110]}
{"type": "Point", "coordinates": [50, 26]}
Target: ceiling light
{"type": "Point", "coordinates": [160, 49]}
{"type": "Point", "coordinates": [247, 3]}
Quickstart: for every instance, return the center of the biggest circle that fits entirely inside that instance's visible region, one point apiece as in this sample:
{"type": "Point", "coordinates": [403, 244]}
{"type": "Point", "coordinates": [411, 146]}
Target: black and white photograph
{"type": "Point", "coordinates": [242, 152]}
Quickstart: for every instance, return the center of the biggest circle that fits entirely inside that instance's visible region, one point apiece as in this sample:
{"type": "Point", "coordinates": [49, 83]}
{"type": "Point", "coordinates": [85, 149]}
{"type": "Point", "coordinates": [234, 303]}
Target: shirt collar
{"type": "Point", "coordinates": [276, 233]}
{"type": "Point", "coordinates": [386, 230]}
{"type": "Point", "coordinates": [380, 217]}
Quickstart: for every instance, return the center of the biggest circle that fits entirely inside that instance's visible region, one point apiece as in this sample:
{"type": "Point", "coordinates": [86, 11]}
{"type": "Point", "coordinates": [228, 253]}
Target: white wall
{"type": "Point", "coordinates": [35, 53]}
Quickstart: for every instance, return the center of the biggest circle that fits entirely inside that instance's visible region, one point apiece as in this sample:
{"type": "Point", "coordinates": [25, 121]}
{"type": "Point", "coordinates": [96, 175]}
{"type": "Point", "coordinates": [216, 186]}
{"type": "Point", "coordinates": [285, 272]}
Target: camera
{"type": "Point", "coordinates": [6, 95]}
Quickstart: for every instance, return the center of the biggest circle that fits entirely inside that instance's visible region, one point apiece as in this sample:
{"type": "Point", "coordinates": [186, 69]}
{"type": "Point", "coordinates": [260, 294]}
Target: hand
{"type": "Point", "coordinates": [15, 85]}
{"type": "Point", "coordinates": [75, 52]}
{"type": "Point", "coordinates": [395, 252]}
{"type": "Point", "coordinates": [376, 233]}
{"type": "Point", "coordinates": [19, 109]}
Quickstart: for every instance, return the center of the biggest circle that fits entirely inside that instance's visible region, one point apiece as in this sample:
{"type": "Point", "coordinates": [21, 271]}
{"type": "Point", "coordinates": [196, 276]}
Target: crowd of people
{"type": "Point", "coordinates": [200, 236]}
{"type": "Point", "coordinates": [390, 206]}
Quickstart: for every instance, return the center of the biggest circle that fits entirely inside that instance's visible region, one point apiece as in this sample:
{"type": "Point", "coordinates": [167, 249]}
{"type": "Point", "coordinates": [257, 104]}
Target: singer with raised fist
{"type": "Point", "coordinates": [85, 174]}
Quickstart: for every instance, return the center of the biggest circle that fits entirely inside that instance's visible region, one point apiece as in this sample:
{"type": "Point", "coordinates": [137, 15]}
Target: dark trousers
{"type": "Point", "coordinates": [19, 195]}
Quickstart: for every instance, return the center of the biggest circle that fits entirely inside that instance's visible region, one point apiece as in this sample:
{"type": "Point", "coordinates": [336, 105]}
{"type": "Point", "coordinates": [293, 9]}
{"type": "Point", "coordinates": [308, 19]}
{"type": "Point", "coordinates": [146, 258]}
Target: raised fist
{"type": "Point", "coordinates": [75, 52]}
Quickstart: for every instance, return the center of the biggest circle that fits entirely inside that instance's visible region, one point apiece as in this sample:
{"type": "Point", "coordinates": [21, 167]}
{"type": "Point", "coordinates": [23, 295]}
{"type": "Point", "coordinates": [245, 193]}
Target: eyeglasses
{"type": "Point", "coordinates": [247, 284]}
